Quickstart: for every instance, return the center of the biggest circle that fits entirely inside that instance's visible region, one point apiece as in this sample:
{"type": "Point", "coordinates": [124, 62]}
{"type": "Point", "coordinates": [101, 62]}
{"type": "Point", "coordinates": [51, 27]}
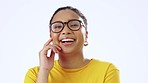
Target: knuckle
{"type": "Point", "coordinates": [41, 52]}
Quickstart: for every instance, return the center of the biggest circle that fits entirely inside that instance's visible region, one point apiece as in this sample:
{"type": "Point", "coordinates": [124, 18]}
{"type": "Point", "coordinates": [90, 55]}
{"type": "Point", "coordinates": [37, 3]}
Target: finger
{"type": "Point", "coordinates": [48, 42]}
{"type": "Point", "coordinates": [48, 47]}
{"type": "Point", "coordinates": [52, 54]}
{"type": "Point", "coordinates": [44, 51]}
{"type": "Point", "coordinates": [55, 50]}
{"type": "Point", "coordinates": [58, 47]}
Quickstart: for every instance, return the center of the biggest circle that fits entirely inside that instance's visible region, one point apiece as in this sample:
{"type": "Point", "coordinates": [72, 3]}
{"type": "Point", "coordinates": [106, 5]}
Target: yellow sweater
{"type": "Point", "coordinates": [94, 72]}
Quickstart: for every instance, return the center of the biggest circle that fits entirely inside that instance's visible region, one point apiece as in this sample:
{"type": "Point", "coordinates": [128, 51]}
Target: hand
{"type": "Point", "coordinates": [46, 63]}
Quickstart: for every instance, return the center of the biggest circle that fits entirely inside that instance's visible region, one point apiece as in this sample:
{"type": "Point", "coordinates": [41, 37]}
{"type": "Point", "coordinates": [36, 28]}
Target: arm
{"type": "Point", "coordinates": [40, 75]}
{"type": "Point", "coordinates": [46, 63]}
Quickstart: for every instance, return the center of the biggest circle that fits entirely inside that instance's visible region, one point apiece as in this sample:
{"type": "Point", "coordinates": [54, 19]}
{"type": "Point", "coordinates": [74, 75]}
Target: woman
{"type": "Point", "coordinates": [68, 32]}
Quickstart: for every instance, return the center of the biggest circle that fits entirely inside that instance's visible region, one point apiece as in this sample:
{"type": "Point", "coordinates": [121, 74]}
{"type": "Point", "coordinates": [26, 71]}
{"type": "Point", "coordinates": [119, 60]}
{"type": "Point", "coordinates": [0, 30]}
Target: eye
{"type": "Point", "coordinates": [57, 26]}
{"type": "Point", "coordinates": [74, 25]}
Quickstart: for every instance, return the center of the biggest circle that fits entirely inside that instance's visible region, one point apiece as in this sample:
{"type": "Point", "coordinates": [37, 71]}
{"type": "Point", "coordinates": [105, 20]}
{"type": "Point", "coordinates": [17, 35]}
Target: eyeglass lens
{"type": "Point", "coordinates": [72, 25]}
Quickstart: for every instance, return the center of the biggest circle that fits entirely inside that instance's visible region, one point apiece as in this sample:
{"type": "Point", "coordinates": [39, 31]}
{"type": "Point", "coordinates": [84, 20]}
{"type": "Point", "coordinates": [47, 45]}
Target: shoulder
{"type": "Point", "coordinates": [36, 68]}
{"type": "Point", "coordinates": [108, 70]}
{"type": "Point", "coordinates": [33, 70]}
{"type": "Point", "coordinates": [31, 75]}
{"type": "Point", "coordinates": [104, 64]}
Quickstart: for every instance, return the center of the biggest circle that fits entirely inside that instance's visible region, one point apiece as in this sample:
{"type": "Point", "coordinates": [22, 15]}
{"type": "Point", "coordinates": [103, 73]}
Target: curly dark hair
{"type": "Point", "coordinates": [73, 9]}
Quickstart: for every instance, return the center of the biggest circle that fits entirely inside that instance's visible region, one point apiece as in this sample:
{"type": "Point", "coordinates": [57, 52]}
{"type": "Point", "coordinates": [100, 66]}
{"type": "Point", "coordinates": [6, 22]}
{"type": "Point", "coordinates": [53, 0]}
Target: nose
{"type": "Point", "coordinates": [66, 30]}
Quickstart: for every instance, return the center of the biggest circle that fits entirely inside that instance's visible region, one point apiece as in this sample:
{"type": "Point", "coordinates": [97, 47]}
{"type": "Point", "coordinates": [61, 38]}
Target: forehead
{"type": "Point", "coordinates": [65, 15]}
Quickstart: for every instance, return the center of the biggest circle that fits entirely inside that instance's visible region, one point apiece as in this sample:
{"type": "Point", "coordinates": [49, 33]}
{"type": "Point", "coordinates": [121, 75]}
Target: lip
{"type": "Point", "coordinates": [67, 38]}
{"type": "Point", "coordinates": [67, 43]}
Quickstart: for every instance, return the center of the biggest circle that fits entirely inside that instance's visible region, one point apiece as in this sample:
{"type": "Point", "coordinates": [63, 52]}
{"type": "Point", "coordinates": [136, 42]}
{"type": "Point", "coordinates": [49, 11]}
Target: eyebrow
{"type": "Point", "coordinates": [66, 21]}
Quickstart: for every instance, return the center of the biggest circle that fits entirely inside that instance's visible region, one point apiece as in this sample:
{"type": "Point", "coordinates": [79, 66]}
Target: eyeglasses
{"type": "Point", "coordinates": [58, 26]}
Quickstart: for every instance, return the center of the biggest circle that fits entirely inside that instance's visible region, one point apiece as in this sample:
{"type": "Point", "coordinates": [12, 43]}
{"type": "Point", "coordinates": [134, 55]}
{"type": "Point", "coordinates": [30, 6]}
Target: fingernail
{"type": "Point", "coordinates": [59, 48]}
{"type": "Point", "coordinates": [54, 51]}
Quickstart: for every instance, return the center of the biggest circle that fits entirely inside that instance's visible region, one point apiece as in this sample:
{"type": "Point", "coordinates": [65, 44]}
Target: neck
{"type": "Point", "coordinates": [72, 60]}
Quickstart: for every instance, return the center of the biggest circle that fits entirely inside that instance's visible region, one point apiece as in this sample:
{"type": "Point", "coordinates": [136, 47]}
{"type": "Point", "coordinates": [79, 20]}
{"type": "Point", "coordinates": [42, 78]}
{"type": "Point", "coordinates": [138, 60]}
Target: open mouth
{"type": "Point", "coordinates": [67, 41]}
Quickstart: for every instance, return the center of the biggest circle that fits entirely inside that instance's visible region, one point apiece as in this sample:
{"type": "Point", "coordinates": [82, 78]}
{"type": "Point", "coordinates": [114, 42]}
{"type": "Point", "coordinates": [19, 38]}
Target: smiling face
{"type": "Point", "coordinates": [70, 41]}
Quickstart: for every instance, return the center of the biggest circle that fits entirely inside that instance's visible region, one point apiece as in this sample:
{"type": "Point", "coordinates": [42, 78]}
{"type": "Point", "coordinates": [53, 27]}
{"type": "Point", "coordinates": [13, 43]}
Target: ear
{"type": "Point", "coordinates": [50, 35]}
{"type": "Point", "coordinates": [85, 39]}
{"type": "Point", "coordinates": [86, 34]}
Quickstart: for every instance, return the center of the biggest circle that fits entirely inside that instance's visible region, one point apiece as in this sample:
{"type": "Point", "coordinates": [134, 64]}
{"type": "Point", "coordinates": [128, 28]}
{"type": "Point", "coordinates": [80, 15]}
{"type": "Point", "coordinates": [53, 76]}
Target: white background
{"type": "Point", "coordinates": [118, 33]}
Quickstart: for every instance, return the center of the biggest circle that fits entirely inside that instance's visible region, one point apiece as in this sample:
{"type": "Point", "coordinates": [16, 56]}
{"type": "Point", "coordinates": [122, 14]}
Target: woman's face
{"type": "Point", "coordinates": [69, 41]}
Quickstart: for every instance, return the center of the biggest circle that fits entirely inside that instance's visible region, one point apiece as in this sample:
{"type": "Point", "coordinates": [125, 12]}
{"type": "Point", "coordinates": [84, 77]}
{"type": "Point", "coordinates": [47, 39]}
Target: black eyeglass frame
{"type": "Point", "coordinates": [66, 23]}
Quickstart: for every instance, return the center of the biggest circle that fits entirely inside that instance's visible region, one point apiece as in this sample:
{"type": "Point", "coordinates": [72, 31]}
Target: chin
{"type": "Point", "coordinates": [67, 51]}
{"type": "Point", "coordinates": [70, 51]}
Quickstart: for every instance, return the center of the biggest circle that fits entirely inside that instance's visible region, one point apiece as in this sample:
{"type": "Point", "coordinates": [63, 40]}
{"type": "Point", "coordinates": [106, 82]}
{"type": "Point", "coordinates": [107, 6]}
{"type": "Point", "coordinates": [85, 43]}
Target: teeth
{"type": "Point", "coordinates": [65, 40]}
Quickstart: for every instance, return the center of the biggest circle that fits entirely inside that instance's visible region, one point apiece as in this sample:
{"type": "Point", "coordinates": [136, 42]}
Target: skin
{"type": "Point", "coordinates": [70, 56]}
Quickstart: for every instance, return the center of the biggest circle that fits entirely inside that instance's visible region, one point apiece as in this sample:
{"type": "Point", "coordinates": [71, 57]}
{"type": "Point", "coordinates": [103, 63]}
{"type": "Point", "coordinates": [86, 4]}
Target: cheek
{"type": "Point", "coordinates": [81, 36]}
{"type": "Point", "coordinates": [55, 37]}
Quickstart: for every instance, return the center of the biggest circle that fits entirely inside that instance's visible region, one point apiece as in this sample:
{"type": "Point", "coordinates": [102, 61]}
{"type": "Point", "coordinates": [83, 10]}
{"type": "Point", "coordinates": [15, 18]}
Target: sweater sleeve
{"type": "Point", "coordinates": [31, 75]}
{"type": "Point", "coordinates": [112, 75]}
